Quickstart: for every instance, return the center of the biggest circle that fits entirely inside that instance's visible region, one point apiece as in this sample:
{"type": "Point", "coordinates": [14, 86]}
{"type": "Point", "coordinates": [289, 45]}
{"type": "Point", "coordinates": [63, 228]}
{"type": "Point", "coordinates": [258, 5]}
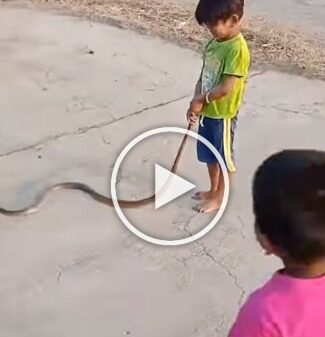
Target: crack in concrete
{"type": "Point", "coordinates": [222, 323]}
{"type": "Point", "coordinates": [291, 111]}
{"type": "Point", "coordinates": [224, 267]}
{"type": "Point", "coordinates": [58, 276]}
{"type": "Point", "coordinates": [242, 227]}
{"type": "Point", "coordinates": [84, 103]}
{"type": "Point", "coordinates": [48, 79]}
{"type": "Point", "coordinates": [228, 272]}
{"type": "Point", "coordinates": [286, 110]}
{"type": "Point", "coordinates": [103, 138]}
{"type": "Point", "coordinates": [85, 129]}
{"type": "Point", "coordinates": [205, 252]}
{"type": "Point", "coordinates": [185, 281]}
{"type": "Point", "coordinates": [160, 71]}
{"type": "Point", "coordinates": [78, 264]}
{"type": "Point", "coordinates": [201, 253]}
{"type": "Point", "coordinates": [257, 74]}
{"type": "Point", "coordinates": [187, 223]}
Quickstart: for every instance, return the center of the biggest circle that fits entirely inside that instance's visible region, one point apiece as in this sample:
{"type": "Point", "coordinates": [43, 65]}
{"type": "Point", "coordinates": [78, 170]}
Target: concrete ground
{"type": "Point", "coordinates": [73, 269]}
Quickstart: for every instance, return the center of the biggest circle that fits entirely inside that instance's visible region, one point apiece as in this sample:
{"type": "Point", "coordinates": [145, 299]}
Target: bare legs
{"type": "Point", "coordinates": [211, 200]}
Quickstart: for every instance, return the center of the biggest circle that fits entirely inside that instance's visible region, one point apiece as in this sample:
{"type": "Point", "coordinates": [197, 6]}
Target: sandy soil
{"type": "Point", "coordinates": [271, 44]}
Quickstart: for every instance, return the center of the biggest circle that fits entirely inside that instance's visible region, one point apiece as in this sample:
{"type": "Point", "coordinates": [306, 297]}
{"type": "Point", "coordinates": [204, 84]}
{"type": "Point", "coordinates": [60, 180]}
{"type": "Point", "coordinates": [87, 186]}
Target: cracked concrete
{"type": "Point", "coordinates": [85, 129]}
{"type": "Point", "coordinates": [73, 269]}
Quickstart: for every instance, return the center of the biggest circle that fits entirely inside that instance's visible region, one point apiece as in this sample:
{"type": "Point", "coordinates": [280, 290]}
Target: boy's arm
{"type": "Point", "coordinates": [191, 114]}
{"type": "Point", "coordinates": [222, 90]}
{"type": "Point", "coordinates": [215, 94]}
{"type": "Point", "coordinates": [236, 66]}
{"type": "Point", "coordinates": [198, 88]}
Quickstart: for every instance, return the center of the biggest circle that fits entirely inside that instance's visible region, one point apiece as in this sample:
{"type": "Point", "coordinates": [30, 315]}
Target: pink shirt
{"type": "Point", "coordinates": [284, 307]}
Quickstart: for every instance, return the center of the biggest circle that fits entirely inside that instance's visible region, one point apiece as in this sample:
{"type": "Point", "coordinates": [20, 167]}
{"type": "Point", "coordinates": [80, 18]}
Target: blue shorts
{"type": "Point", "coordinates": [220, 133]}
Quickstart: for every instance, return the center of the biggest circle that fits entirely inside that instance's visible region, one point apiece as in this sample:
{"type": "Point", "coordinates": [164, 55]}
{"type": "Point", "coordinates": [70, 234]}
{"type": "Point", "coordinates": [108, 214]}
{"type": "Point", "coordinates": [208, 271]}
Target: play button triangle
{"type": "Point", "coordinates": [169, 186]}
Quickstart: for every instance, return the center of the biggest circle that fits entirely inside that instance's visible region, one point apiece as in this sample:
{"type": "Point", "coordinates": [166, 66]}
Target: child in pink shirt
{"type": "Point", "coordinates": [289, 207]}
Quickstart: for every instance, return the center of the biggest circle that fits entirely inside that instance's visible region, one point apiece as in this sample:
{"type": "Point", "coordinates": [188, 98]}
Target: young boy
{"type": "Point", "coordinates": [289, 207]}
{"type": "Point", "coordinates": [219, 91]}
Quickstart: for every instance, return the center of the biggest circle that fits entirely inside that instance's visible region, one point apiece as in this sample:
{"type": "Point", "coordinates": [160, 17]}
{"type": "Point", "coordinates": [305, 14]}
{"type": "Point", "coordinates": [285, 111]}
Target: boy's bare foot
{"type": "Point", "coordinates": [209, 206]}
{"type": "Point", "coordinates": [205, 195]}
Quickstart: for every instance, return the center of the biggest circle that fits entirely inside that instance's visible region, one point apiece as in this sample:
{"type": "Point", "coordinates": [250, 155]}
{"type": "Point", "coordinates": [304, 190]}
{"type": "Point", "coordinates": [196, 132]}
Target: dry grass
{"type": "Point", "coordinates": [271, 45]}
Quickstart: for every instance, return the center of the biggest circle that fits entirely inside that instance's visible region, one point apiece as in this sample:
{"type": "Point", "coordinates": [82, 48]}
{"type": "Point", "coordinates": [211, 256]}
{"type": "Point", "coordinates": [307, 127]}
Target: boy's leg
{"type": "Point", "coordinates": [211, 198]}
{"type": "Point", "coordinates": [221, 190]}
{"type": "Point", "coordinates": [223, 136]}
{"type": "Point", "coordinates": [214, 203]}
{"type": "Point", "coordinates": [206, 130]}
{"type": "Point", "coordinates": [214, 174]}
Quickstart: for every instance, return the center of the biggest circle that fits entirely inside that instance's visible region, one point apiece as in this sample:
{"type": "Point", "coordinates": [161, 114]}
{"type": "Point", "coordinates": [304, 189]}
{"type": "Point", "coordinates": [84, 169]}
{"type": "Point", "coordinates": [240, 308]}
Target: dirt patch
{"type": "Point", "coordinates": [271, 44]}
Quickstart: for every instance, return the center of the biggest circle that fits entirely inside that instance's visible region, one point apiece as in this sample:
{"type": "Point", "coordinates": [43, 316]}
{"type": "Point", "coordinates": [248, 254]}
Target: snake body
{"type": "Point", "coordinates": [100, 198]}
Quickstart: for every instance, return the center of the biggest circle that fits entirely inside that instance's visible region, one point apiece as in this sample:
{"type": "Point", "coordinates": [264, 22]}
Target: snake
{"type": "Point", "coordinates": [98, 197]}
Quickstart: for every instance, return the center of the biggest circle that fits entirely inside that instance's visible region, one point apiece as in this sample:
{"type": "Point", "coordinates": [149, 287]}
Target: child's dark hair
{"type": "Point", "coordinates": [289, 203]}
{"type": "Point", "coordinates": [212, 11]}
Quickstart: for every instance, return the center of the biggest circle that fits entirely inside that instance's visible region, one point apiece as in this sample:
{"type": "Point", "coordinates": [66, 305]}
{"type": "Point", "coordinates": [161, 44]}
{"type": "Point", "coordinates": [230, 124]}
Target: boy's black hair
{"type": "Point", "coordinates": [289, 203]}
{"type": "Point", "coordinates": [212, 11]}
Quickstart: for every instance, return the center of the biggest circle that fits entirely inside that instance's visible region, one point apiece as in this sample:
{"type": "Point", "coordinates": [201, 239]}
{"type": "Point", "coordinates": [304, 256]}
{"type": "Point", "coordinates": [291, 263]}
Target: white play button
{"type": "Point", "coordinates": [169, 186]}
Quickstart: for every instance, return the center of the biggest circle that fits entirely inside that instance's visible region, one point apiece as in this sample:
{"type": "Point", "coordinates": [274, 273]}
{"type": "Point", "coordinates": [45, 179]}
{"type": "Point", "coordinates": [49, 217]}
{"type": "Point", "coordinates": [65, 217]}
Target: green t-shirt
{"type": "Point", "coordinates": [225, 58]}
